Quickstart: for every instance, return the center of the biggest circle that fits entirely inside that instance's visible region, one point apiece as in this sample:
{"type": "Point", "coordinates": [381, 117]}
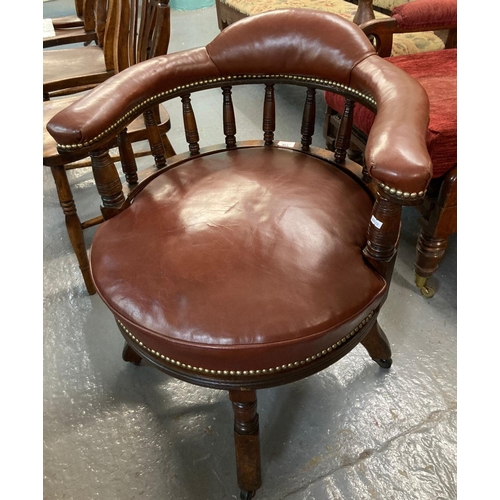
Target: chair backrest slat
{"type": "Point", "coordinates": [101, 19]}
{"type": "Point", "coordinates": [269, 115]}
{"type": "Point", "coordinates": [308, 118]}
{"type": "Point", "coordinates": [228, 117]}
{"type": "Point", "coordinates": [79, 9]}
{"type": "Point", "coordinates": [343, 140]}
{"type": "Point", "coordinates": [190, 127]}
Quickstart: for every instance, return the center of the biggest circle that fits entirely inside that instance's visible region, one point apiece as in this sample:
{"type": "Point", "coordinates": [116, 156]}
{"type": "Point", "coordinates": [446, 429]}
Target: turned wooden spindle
{"type": "Point", "coordinates": [154, 137]}
{"type": "Point", "coordinates": [364, 12]}
{"type": "Point", "coordinates": [343, 139]}
{"type": "Point", "coordinates": [228, 117]}
{"type": "Point", "coordinates": [308, 119]}
{"type": "Point", "coordinates": [190, 128]}
{"type": "Point", "coordinates": [246, 439]}
{"type": "Point", "coordinates": [127, 158]}
{"type": "Point", "coordinates": [383, 235]}
{"type": "Point", "coordinates": [269, 115]}
{"type": "Point", "coordinates": [108, 182]}
{"type": "Point", "coordinates": [73, 224]}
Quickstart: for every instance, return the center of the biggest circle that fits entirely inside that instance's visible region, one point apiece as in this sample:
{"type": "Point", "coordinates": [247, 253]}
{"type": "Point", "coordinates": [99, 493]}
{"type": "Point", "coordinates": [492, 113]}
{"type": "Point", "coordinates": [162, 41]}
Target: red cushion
{"type": "Point", "coordinates": [437, 73]}
{"type": "Point", "coordinates": [421, 14]}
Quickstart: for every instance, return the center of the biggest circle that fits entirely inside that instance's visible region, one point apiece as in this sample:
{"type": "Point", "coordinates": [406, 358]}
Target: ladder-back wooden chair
{"type": "Point", "coordinates": [143, 30]}
{"type": "Point", "coordinates": [75, 69]}
{"type": "Point", "coordinates": [79, 28]}
{"type": "Point", "coordinates": [437, 72]}
{"type": "Point", "coordinates": [252, 264]}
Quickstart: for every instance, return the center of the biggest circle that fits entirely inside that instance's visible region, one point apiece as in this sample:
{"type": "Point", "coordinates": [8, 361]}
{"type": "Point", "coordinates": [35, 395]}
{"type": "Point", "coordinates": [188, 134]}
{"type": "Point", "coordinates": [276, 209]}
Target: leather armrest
{"type": "Point", "coordinates": [396, 152]}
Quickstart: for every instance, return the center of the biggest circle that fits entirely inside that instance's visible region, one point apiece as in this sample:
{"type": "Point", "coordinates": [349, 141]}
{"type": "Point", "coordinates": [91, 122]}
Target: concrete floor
{"type": "Point", "coordinates": [354, 431]}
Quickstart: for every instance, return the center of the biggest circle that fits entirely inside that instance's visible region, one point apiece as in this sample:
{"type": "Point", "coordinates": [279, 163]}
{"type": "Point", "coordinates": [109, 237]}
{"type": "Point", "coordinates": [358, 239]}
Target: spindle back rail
{"type": "Point", "coordinates": [103, 164]}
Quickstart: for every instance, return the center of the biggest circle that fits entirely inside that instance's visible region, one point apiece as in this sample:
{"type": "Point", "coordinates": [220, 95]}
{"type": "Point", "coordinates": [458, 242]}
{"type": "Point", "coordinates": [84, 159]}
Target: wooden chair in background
{"type": "Point", "coordinates": [71, 70]}
{"type": "Point", "coordinates": [79, 28]}
{"type": "Point", "coordinates": [141, 31]}
{"type": "Point", "coordinates": [437, 72]}
{"type": "Point", "coordinates": [252, 264]}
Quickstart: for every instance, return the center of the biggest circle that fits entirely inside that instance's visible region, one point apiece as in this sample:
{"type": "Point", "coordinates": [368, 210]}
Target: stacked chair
{"type": "Point", "coordinates": [252, 264]}
{"type": "Point", "coordinates": [437, 72]}
{"type": "Point", "coordinates": [71, 70]}
{"type": "Point", "coordinates": [76, 28]}
{"type": "Point", "coordinates": [134, 31]}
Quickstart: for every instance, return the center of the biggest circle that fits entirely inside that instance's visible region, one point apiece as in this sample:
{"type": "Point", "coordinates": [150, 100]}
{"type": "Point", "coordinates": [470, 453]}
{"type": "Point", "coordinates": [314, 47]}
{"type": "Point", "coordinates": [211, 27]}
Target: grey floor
{"type": "Point", "coordinates": [115, 431]}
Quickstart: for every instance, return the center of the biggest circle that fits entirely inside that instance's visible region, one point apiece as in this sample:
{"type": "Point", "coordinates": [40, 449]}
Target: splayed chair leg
{"type": "Point", "coordinates": [246, 440]}
{"type": "Point", "coordinates": [129, 355]}
{"type": "Point", "coordinates": [378, 347]}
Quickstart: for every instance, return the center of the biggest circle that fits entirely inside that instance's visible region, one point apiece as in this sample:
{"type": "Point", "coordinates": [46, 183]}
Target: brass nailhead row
{"type": "Point", "coordinates": [401, 194]}
{"type": "Point", "coordinates": [136, 108]}
{"type": "Point", "coordinates": [264, 371]}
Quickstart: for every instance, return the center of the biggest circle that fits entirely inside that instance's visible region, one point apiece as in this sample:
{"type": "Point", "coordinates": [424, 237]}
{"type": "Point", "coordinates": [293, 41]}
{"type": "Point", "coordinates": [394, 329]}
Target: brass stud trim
{"type": "Point", "coordinates": [400, 194]}
{"type": "Point", "coordinates": [138, 107]}
{"type": "Point", "coordinates": [261, 371]}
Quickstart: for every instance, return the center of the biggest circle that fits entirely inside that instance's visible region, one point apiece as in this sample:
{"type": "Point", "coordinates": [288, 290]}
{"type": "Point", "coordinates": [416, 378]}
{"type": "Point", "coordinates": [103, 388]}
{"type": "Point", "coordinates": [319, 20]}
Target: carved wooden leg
{"type": "Point", "coordinates": [73, 224]}
{"type": "Point", "coordinates": [430, 251]}
{"type": "Point", "coordinates": [378, 347]}
{"type": "Point", "coordinates": [246, 440]}
{"type": "Point", "coordinates": [439, 222]}
{"type": "Point", "coordinates": [130, 356]}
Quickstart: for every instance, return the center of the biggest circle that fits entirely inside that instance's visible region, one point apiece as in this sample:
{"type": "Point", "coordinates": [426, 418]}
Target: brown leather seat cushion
{"type": "Point", "coordinates": [245, 259]}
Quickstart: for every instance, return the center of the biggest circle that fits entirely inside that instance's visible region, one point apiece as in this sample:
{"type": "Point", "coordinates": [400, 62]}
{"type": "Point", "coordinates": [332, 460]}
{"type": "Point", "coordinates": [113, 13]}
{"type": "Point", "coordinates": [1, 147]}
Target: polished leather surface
{"type": "Point", "coordinates": [244, 259]}
{"type": "Point", "coordinates": [300, 42]}
{"type": "Point", "coordinates": [396, 151]}
{"type": "Point", "coordinates": [295, 42]}
{"type": "Point", "coordinates": [104, 105]}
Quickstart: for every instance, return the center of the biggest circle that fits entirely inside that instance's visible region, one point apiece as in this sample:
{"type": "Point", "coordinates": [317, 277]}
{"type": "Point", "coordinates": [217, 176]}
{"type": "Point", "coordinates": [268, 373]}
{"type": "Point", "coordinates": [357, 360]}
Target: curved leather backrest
{"type": "Point", "coordinates": [298, 41]}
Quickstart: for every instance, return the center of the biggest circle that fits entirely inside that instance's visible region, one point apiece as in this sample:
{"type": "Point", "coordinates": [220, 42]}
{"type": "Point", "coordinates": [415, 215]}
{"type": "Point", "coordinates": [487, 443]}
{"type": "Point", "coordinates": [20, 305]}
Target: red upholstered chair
{"type": "Point", "coordinates": [437, 72]}
{"type": "Point", "coordinates": [252, 264]}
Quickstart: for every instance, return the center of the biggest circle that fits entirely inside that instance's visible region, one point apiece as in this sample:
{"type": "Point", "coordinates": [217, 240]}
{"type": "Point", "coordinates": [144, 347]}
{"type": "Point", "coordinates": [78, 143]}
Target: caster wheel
{"type": "Point", "coordinates": [384, 363]}
{"type": "Point", "coordinates": [246, 495]}
{"type": "Point", "coordinates": [427, 291]}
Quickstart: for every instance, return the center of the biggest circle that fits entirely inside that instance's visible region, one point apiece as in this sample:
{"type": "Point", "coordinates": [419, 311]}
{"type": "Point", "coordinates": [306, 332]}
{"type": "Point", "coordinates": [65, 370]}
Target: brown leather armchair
{"type": "Point", "coordinates": [252, 264]}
